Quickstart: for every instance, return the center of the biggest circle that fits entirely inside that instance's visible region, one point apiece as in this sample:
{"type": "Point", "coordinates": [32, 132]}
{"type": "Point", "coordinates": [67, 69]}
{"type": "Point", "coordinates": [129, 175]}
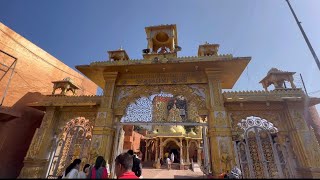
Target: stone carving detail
{"type": "Point", "coordinates": [123, 92]}
{"type": "Point", "coordinates": [312, 148]}
{"type": "Point", "coordinates": [200, 91]}
{"type": "Point", "coordinates": [31, 172]}
{"type": "Point", "coordinates": [102, 115]}
{"type": "Point", "coordinates": [237, 116]}
{"type": "Point", "coordinates": [217, 96]}
{"type": "Point", "coordinates": [95, 149]}
{"type": "Point", "coordinates": [225, 154]}
{"type": "Point", "coordinates": [71, 114]}
{"type": "Point", "coordinates": [298, 119]}
{"type": "Point", "coordinates": [220, 118]}
{"type": "Point", "coordinates": [257, 122]}
{"type": "Point", "coordinates": [193, 114]}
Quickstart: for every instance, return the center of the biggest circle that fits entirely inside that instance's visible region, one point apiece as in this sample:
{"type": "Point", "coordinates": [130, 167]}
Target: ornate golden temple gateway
{"type": "Point", "coordinates": [264, 133]}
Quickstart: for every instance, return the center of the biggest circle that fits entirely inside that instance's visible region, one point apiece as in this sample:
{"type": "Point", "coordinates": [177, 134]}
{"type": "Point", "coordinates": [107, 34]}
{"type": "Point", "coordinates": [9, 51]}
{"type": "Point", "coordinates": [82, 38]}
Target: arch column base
{"type": "Point", "coordinates": [34, 169]}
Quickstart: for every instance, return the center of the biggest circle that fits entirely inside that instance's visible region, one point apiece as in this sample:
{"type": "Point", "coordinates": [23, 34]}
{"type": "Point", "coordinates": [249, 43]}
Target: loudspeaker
{"type": "Point", "coordinates": [177, 48]}
{"type": "Point", "coordinates": [146, 51]}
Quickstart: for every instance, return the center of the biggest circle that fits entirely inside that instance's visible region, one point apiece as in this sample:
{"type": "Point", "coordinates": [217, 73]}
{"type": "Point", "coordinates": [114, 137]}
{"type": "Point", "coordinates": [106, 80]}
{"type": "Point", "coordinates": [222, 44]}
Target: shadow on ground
{"type": "Point", "coordinates": [188, 177]}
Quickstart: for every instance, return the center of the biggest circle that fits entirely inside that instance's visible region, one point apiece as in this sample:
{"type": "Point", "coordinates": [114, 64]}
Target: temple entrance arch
{"type": "Point", "coordinates": [171, 113]}
{"type": "Point", "coordinates": [194, 94]}
{"type": "Point", "coordinates": [259, 153]}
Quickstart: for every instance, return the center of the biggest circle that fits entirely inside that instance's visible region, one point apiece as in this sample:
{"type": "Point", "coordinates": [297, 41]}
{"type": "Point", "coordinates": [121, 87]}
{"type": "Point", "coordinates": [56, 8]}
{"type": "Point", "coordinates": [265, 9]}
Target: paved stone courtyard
{"type": "Point", "coordinates": [149, 172]}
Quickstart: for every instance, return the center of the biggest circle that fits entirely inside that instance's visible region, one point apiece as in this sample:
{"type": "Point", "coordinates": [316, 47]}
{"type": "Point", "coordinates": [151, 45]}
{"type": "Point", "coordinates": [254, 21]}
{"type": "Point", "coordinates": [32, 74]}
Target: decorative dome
{"type": "Point", "coordinates": [179, 129]}
{"type": "Point", "coordinates": [171, 130]}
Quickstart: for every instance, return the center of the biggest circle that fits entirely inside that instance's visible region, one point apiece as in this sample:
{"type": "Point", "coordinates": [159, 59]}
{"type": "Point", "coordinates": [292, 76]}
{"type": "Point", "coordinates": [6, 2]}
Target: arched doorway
{"type": "Point", "coordinates": [172, 147]}
{"type": "Point", "coordinates": [74, 142]}
{"type": "Point", "coordinates": [259, 155]}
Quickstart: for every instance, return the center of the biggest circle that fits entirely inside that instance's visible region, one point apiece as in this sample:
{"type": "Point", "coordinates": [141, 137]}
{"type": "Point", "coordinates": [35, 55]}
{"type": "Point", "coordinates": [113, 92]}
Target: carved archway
{"type": "Point", "coordinates": [170, 139]}
{"type": "Point", "coordinates": [73, 142]}
{"type": "Point", "coordinates": [125, 95]}
{"type": "Point", "coordinates": [237, 116]}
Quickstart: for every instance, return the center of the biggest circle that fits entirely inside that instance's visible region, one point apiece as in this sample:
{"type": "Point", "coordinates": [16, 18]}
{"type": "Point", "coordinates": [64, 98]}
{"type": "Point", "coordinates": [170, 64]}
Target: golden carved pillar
{"type": "Point", "coordinates": [36, 161]}
{"type": "Point", "coordinates": [304, 142]}
{"type": "Point", "coordinates": [181, 154]}
{"type": "Point", "coordinates": [219, 130]}
{"type": "Point", "coordinates": [188, 159]}
{"type": "Point", "coordinates": [104, 129]}
{"type": "Point", "coordinates": [158, 156]}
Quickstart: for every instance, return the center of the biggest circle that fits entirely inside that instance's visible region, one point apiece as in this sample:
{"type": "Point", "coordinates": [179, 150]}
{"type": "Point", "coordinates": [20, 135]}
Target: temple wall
{"type": "Point", "coordinates": [315, 121]}
{"type": "Point", "coordinates": [35, 69]}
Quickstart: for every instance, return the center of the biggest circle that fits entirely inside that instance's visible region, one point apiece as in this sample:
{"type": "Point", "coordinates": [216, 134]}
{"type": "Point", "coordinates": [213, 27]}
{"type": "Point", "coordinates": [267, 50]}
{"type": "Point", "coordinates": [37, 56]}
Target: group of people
{"type": "Point", "coordinates": [169, 160]}
{"type": "Point", "coordinates": [96, 171]}
{"type": "Point", "coordinates": [127, 166]}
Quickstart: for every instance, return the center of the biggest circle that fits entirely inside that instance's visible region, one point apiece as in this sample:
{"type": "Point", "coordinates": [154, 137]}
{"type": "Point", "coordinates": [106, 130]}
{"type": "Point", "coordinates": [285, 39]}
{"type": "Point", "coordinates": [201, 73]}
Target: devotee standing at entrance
{"type": "Point", "coordinates": [172, 157]}
{"type": "Point", "coordinates": [98, 171]}
{"type": "Point", "coordinates": [123, 167]}
{"type": "Point", "coordinates": [72, 170]}
{"type": "Point", "coordinates": [84, 174]}
{"type": "Point", "coordinates": [136, 167]}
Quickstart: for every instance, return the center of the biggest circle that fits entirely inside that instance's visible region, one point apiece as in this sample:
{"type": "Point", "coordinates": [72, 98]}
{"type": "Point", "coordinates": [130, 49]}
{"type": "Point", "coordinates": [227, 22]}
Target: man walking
{"type": "Point", "coordinates": [136, 168]}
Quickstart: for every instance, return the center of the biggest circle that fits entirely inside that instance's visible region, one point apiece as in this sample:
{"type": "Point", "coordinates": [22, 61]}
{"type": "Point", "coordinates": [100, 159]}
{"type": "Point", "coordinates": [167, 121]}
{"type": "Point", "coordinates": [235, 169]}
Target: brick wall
{"type": "Point", "coordinates": [35, 69]}
{"type": "Point", "coordinates": [131, 139]}
{"type": "Point", "coordinates": [33, 74]}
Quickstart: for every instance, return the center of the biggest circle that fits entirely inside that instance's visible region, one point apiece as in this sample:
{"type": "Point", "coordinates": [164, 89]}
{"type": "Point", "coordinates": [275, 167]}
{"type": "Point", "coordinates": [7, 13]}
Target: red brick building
{"type": "Point", "coordinates": [132, 139]}
{"type": "Point", "coordinates": [34, 71]}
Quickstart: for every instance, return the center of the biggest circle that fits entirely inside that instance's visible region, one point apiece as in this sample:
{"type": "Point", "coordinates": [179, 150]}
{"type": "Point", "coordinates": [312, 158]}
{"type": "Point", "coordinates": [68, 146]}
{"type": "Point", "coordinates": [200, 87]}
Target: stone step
{"type": "Point", "coordinates": [196, 167]}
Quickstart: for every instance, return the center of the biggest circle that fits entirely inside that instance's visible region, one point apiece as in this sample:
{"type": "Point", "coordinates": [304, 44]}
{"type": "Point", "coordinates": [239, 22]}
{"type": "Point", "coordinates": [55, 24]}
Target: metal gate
{"type": "Point", "coordinates": [258, 153]}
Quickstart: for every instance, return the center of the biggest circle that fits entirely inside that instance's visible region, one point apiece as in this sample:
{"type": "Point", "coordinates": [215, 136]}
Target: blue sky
{"type": "Point", "coordinates": [79, 32]}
